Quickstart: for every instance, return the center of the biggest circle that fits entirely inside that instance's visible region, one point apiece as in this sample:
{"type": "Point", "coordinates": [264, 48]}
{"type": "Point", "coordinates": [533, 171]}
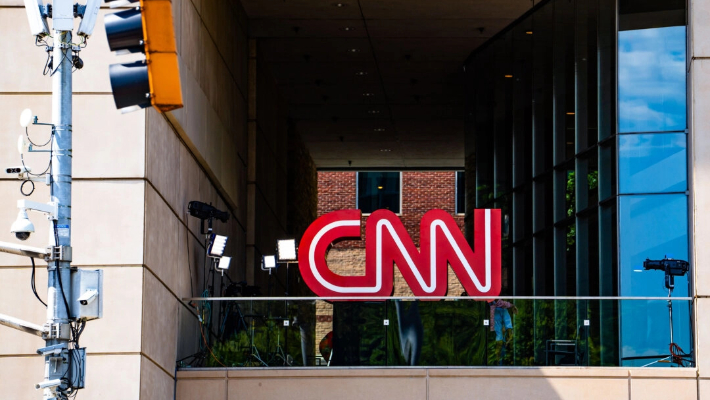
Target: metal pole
{"type": "Point", "coordinates": [59, 271]}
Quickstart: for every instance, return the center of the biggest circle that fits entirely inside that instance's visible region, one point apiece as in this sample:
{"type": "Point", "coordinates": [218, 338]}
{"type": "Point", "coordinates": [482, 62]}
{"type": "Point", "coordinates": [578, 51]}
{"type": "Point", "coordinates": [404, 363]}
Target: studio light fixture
{"type": "Point", "coordinates": [268, 263]}
{"type": "Point", "coordinates": [287, 251]}
{"type": "Point", "coordinates": [217, 245]}
{"type": "Point", "coordinates": [223, 264]}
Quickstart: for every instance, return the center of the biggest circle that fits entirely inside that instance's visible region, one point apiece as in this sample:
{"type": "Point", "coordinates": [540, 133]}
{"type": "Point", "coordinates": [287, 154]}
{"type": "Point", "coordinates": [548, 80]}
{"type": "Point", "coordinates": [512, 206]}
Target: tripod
{"type": "Point", "coordinates": [671, 268]}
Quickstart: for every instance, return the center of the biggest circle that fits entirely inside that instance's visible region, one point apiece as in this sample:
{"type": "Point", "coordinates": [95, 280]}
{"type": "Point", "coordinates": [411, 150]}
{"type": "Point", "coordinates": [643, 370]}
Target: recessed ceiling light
{"type": "Point", "coordinates": [373, 111]}
{"type": "Point", "coordinates": [508, 76]}
{"type": "Point", "coordinates": [379, 129]}
{"type": "Point", "coordinates": [353, 50]}
{"type": "Point", "coordinates": [349, 28]}
{"type": "Point", "coordinates": [340, 5]}
{"type": "Point", "coordinates": [368, 94]}
{"type": "Point", "coordinates": [361, 73]}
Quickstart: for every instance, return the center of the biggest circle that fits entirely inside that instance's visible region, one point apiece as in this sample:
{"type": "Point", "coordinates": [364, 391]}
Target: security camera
{"type": "Point", "coordinates": [22, 227]}
{"type": "Point", "coordinates": [48, 384]}
{"type": "Point", "coordinates": [88, 297]}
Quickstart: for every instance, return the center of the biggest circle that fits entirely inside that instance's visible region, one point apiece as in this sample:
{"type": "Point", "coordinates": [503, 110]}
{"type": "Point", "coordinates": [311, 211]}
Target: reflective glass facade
{"type": "Point", "coordinates": [576, 128]}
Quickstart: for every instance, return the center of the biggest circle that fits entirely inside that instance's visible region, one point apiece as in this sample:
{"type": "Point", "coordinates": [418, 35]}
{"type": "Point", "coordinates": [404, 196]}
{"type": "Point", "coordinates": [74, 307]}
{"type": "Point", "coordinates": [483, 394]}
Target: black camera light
{"type": "Point", "coordinates": [671, 267]}
{"type": "Point", "coordinates": [206, 212]}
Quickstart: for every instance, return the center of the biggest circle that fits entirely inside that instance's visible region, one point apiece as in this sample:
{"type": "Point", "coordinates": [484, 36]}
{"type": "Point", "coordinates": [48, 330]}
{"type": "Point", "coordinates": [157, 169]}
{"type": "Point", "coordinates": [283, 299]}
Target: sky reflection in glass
{"type": "Point", "coordinates": [652, 163]}
{"type": "Point", "coordinates": [652, 84]}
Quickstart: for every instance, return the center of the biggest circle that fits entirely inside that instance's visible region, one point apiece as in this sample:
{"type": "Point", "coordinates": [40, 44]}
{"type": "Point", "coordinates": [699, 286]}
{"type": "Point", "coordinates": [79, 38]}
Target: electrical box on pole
{"type": "Point", "coordinates": [147, 28]}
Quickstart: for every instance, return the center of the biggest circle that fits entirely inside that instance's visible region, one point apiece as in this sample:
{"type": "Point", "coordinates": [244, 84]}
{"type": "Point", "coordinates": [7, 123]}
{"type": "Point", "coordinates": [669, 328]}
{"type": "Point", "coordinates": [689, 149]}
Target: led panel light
{"type": "Point", "coordinates": [269, 262]}
{"type": "Point", "coordinates": [286, 250]}
{"type": "Point", "coordinates": [223, 263]}
{"type": "Point", "coordinates": [217, 245]}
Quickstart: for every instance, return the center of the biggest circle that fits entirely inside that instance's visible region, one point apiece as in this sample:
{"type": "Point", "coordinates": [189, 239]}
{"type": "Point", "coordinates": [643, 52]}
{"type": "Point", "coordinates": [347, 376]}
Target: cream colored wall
{"type": "Point", "coordinates": [107, 214]}
{"type": "Point", "coordinates": [699, 104]}
{"type": "Point", "coordinates": [439, 384]}
{"type": "Point", "coordinates": [133, 177]}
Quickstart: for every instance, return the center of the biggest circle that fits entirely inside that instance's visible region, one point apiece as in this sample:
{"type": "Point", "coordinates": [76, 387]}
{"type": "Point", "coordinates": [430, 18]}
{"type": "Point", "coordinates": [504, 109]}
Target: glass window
{"type": "Point", "coordinates": [651, 226]}
{"type": "Point", "coordinates": [460, 192]}
{"type": "Point", "coordinates": [652, 92]}
{"type": "Point", "coordinates": [652, 163]}
{"type": "Point", "coordinates": [378, 190]}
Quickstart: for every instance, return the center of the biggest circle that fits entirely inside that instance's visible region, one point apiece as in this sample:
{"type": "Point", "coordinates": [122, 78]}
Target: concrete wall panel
{"type": "Point", "coordinates": [160, 323]}
{"type": "Point", "coordinates": [156, 384]}
{"type": "Point", "coordinates": [107, 219]}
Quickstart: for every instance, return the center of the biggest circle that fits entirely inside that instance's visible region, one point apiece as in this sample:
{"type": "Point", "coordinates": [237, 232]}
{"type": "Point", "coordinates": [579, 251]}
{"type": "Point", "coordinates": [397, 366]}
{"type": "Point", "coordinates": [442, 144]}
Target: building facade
{"type": "Point", "coordinates": [582, 120]}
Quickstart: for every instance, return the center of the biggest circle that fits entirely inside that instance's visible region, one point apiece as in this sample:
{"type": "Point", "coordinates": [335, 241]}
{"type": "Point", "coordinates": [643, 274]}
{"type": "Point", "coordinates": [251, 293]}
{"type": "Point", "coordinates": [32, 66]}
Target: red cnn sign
{"type": "Point", "coordinates": [388, 244]}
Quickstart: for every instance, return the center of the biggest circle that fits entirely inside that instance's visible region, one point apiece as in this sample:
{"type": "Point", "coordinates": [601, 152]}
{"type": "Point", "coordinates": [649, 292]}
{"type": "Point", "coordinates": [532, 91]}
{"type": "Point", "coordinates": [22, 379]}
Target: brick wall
{"type": "Point", "coordinates": [421, 191]}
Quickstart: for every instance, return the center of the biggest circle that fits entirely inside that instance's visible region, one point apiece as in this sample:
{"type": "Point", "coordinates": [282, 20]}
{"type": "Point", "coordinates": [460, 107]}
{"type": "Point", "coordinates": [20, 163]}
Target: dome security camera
{"type": "Point", "coordinates": [22, 227]}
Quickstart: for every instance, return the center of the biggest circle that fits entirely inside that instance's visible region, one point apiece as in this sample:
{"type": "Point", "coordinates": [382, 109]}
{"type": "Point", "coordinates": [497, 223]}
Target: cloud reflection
{"type": "Point", "coordinates": [652, 80]}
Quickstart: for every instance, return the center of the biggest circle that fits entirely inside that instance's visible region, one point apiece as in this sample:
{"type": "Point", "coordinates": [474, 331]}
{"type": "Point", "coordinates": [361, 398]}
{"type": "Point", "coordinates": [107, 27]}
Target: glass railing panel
{"type": "Point", "coordinates": [460, 332]}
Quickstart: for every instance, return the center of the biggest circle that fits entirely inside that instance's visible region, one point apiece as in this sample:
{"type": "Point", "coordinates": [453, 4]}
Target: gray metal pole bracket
{"type": "Point", "coordinates": [57, 331]}
{"type": "Point", "coordinates": [59, 253]}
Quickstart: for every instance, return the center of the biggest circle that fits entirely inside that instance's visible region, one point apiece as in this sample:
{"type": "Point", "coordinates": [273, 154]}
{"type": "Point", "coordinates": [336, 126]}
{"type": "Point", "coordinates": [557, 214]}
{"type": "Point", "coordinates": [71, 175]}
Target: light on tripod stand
{"type": "Point", "coordinates": [268, 263]}
{"type": "Point", "coordinates": [287, 251]}
{"type": "Point", "coordinates": [217, 245]}
{"type": "Point", "coordinates": [223, 263]}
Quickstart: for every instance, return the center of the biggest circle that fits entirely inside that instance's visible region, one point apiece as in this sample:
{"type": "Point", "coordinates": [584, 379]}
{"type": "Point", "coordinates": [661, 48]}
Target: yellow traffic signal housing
{"type": "Point", "coordinates": [161, 54]}
{"type": "Point", "coordinates": [155, 81]}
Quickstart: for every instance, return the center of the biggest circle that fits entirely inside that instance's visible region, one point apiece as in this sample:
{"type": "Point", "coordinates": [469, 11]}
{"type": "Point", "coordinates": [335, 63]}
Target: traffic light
{"type": "Point", "coordinates": [147, 28]}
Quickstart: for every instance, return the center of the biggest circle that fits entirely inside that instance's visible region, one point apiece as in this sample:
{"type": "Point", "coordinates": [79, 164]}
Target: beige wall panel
{"type": "Point", "coordinates": [189, 336]}
{"type": "Point", "coordinates": [190, 259]}
{"type": "Point", "coordinates": [699, 17]}
{"type": "Point", "coordinates": [102, 136]}
{"type": "Point", "coordinates": [189, 36]}
{"type": "Point", "coordinates": [701, 171]}
{"type": "Point", "coordinates": [17, 300]}
{"type": "Point", "coordinates": [107, 220]}
{"type": "Point", "coordinates": [527, 388]}
{"type": "Point", "coordinates": [123, 301]}
{"type": "Point", "coordinates": [703, 389]}
{"type": "Point", "coordinates": [107, 144]}
{"type": "Point", "coordinates": [155, 383]}
{"type": "Point", "coordinates": [122, 308]}
{"type": "Point", "coordinates": [162, 239]}
{"type": "Point", "coordinates": [702, 325]}
{"type": "Point", "coordinates": [9, 194]}
{"type": "Point", "coordinates": [26, 57]}
{"type": "Point", "coordinates": [203, 389]}
{"type": "Point", "coordinates": [189, 187]}
{"type": "Point", "coordinates": [680, 389]}
{"type": "Point", "coordinates": [112, 377]}
{"type": "Point", "coordinates": [19, 376]}
{"type": "Point", "coordinates": [344, 388]}
{"type": "Point", "coordinates": [163, 157]}
{"type": "Point", "coordinates": [160, 323]}
{"type": "Point", "coordinates": [29, 58]}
